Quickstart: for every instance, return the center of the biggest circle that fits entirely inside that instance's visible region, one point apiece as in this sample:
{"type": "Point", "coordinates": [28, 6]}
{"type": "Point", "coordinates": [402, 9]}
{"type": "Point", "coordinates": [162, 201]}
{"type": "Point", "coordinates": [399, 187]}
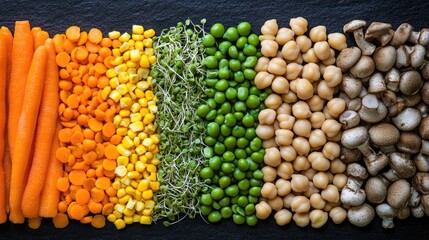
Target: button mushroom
{"type": "Point", "coordinates": [372, 110]}
{"type": "Point", "coordinates": [421, 182]}
{"type": "Point", "coordinates": [384, 58]}
{"type": "Point", "coordinates": [403, 166]}
{"type": "Point", "coordinates": [356, 26]}
{"type": "Point", "coordinates": [361, 216]}
{"type": "Point", "coordinates": [387, 213]}
{"type": "Point", "coordinates": [401, 34]}
{"type": "Point", "coordinates": [384, 134]}
{"type": "Point", "coordinates": [348, 57]}
{"type": "Point", "coordinates": [376, 190]}
{"type": "Point", "coordinates": [398, 193]}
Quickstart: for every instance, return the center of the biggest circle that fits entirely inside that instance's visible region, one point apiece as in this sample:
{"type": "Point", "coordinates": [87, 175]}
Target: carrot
{"type": "Point", "coordinates": [34, 223]}
{"type": "Point", "coordinates": [62, 59]}
{"type": "Point", "coordinates": [60, 220]}
{"type": "Point", "coordinates": [44, 135]}
{"type": "Point", "coordinates": [98, 221]}
{"type": "Point", "coordinates": [22, 54]}
{"type": "Point", "coordinates": [34, 32]}
{"type": "Point", "coordinates": [95, 35]}
{"type": "Point", "coordinates": [40, 39]}
{"type": "Point", "coordinates": [73, 33]}
{"type": "Point", "coordinates": [25, 132]}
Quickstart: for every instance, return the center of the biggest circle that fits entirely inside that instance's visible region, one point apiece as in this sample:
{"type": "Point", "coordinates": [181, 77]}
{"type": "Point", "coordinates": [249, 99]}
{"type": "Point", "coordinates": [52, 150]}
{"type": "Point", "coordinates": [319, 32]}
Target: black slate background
{"type": "Point", "coordinates": [56, 16]}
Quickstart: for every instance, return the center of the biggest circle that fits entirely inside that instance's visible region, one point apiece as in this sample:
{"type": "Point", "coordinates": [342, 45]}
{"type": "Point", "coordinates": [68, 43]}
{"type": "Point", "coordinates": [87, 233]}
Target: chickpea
{"type": "Point", "coordinates": [315, 103]}
{"type": "Point", "coordinates": [318, 161]}
{"type": "Point", "coordinates": [337, 166]}
{"type": "Point", "coordinates": [277, 66]}
{"type": "Point", "coordinates": [287, 200]}
{"type": "Point", "coordinates": [302, 127]}
{"type": "Point", "coordinates": [269, 190]}
{"type": "Point", "coordinates": [301, 110]}
{"type": "Point", "coordinates": [304, 89]}
{"type": "Point", "coordinates": [321, 49]}
{"type": "Point", "coordinates": [301, 219]}
{"type": "Point", "coordinates": [284, 137]}
{"type": "Point", "coordinates": [332, 75]}
{"type": "Point", "coordinates": [290, 50]}
{"type": "Point", "coordinates": [321, 180]}
{"type": "Point", "coordinates": [331, 150]}
{"type": "Point", "coordinates": [266, 37]}
{"type": "Point", "coordinates": [337, 41]}
{"type": "Point", "coordinates": [318, 34]}
{"type": "Point", "coordinates": [270, 27]}
{"type": "Point", "coordinates": [293, 71]}
{"type": "Point", "coordinates": [301, 163]}
{"type": "Point", "coordinates": [301, 146]}
{"type": "Point", "coordinates": [285, 170]}
{"type": "Point", "coordinates": [339, 180]}
{"type": "Point", "coordinates": [330, 176]}
{"type": "Point", "coordinates": [272, 157]}
{"type": "Point", "coordinates": [331, 59]}
{"type": "Point", "coordinates": [336, 106]}
{"type": "Point", "coordinates": [317, 202]}
{"type": "Point", "coordinates": [309, 173]}
{"type": "Point", "coordinates": [276, 203]}
{"type": "Point", "coordinates": [263, 79]}
{"type": "Point", "coordinates": [299, 183]}
{"type": "Point", "coordinates": [317, 138]}
{"type": "Point", "coordinates": [311, 72]}
{"type": "Point", "coordinates": [292, 85]}
{"type": "Point", "coordinates": [310, 56]}
{"type": "Point", "coordinates": [338, 215]}
{"type": "Point", "coordinates": [289, 97]}
{"type": "Point", "coordinates": [284, 35]}
{"type": "Point", "coordinates": [267, 116]}
{"type": "Point", "coordinates": [326, 113]}
{"type": "Point", "coordinates": [269, 48]}
{"type": "Point", "coordinates": [265, 132]}
{"type": "Point", "coordinates": [262, 64]}
{"type": "Point", "coordinates": [286, 121]}
{"type": "Point", "coordinates": [269, 143]}
{"type": "Point", "coordinates": [276, 125]}
{"type": "Point", "coordinates": [298, 25]}
{"type": "Point", "coordinates": [283, 217]}
{"type": "Point", "coordinates": [300, 204]}
{"type": "Point", "coordinates": [318, 218]}
{"type": "Point", "coordinates": [280, 85]}
{"type": "Point", "coordinates": [331, 127]}
{"type": "Point", "coordinates": [283, 187]}
{"type": "Point", "coordinates": [322, 68]}
{"type": "Point", "coordinates": [330, 194]}
{"type": "Point", "coordinates": [336, 138]}
{"type": "Point", "coordinates": [270, 173]}
{"type": "Point", "coordinates": [288, 153]}
{"type": "Point", "coordinates": [330, 205]}
{"type": "Point", "coordinates": [311, 190]}
{"type": "Point", "coordinates": [273, 101]}
{"type": "Point", "coordinates": [263, 210]}
{"type": "Point", "coordinates": [317, 119]}
{"type": "Point", "coordinates": [284, 109]}
{"type": "Point", "coordinates": [304, 43]}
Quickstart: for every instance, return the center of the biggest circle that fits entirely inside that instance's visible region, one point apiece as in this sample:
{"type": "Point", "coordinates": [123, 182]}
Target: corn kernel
{"type": "Point", "coordinates": [143, 102]}
{"type": "Point", "coordinates": [117, 214]}
{"type": "Point", "coordinates": [114, 82]}
{"type": "Point", "coordinates": [124, 113]}
{"type": "Point", "coordinates": [149, 52]}
{"type": "Point", "coordinates": [115, 95]}
{"type": "Point", "coordinates": [124, 199]}
{"type": "Point", "coordinates": [110, 73]}
{"type": "Point", "coordinates": [154, 186]}
{"type": "Point", "coordinates": [127, 142]}
{"type": "Point", "coordinates": [134, 78]}
{"type": "Point", "coordinates": [125, 102]}
{"type": "Point", "coordinates": [136, 126]}
{"type": "Point", "coordinates": [138, 195]}
{"type": "Point", "coordinates": [114, 34]}
{"type": "Point", "coordinates": [134, 158]}
{"type": "Point", "coordinates": [155, 138]}
{"type": "Point", "coordinates": [135, 55]}
{"type": "Point", "coordinates": [144, 61]}
{"type": "Point", "coordinates": [122, 89]}
{"type": "Point", "coordinates": [149, 95]}
{"type": "Point", "coordinates": [122, 161]}
{"type": "Point", "coordinates": [140, 150]}
{"type": "Point", "coordinates": [143, 135]}
{"type": "Point", "coordinates": [113, 200]}
{"type": "Point", "coordinates": [131, 134]}
{"type": "Point", "coordinates": [153, 176]}
{"type": "Point", "coordinates": [130, 167]}
{"type": "Point", "coordinates": [145, 220]}
{"type": "Point", "coordinates": [137, 37]}
{"type": "Point", "coordinates": [128, 220]}
{"type": "Point", "coordinates": [140, 166]}
{"type": "Point", "coordinates": [143, 73]}
{"type": "Point", "coordinates": [129, 212]}
{"type": "Point", "coordinates": [136, 218]}
{"type": "Point", "coordinates": [150, 204]}
{"type": "Point", "coordinates": [116, 185]}
{"type": "Point", "coordinates": [147, 211]}
{"type": "Point", "coordinates": [120, 66]}
{"type": "Point", "coordinates": [139, 206]}
{"type": "Point", "coordinates": [121, 171]}
{"type": "Point", "coordinates": [119, 207]}
{"type": "Point", "coordinates": [148, 155]}
{"type": "Point", "coordinates": [143, 185]}
{"type": "Point", "coordinates": [149, 33]}
{"type": "Point", "coordinates": [135, 107]}
{"type": "Point", "coordinates": [155, 161]}
{"type": "Point", "coordinates": [124, 47]}
{"type": "Point", "coordinates": [105, 92]}
{"type": "Point", "coordinates": [131, 42]}
{"type": "Point", "coordinates": [152, 59]}
{"type": "Point", "coordinates": [123, 77]}
{"type": "Point", "coordinates": [138, 29]}
{"type": "Point", "coordinates": [136, 141]}
{"type": "Point", "coordinates": [134, 117]}
{"type": "Point", "coordinates": [126, 55]}
{"type": "Point", "coordinates": [134, 184]}
{"type": "Point", "coordinates": [123, 151]}
{"type": "Point", "coordinates": [124, 37]}
{"type": "Point", "coordinates": [148, 42]}
{"type": "Point", "coordinates": [125, 181]}
{"type": "Point", "coordinates": [120, 193]}
{"type": "Point", "coordinates": [125, 122]}
{"type": "Point", "coordinates": [111, 217]}
{"type": "Point", "coordinates": [133, 175]}
{"type": "Point", "coordinates": [131, 64]}
{"type": "Point", "coordinates": [148, 118]}
{"type": "Point", "coordinates": [116, 53]}
{"type": "Point", "coordinates": [131, 87]}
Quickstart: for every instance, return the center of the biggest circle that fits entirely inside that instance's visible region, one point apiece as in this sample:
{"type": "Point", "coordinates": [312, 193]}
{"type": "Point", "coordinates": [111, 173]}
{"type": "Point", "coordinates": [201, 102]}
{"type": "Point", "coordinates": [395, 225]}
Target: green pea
{"type": "Point", "coordinates": [224, 73]}
{"type": "Point", "coordinates": [235, 66]}
{"type": "Point", "coordinates": [249, 209]}
{"type": "Point", "coordinates": [231, 190]}
{"type": "Point", "coordinates": [258, 174]}
{"type": "Point", "coordinates": [253, 40]}
{"type": "Point", "coordinates": [238, 219]}
{"type": "Point", "coordinates": [219, 97]}
{"type": "Point", "coordinates": [257, 157]}
{"type": "Point", "coordinates": [238, 174]}
{"type": "Point", "coordinates": [244, 184]}
{"type": "Point", "coordinates": [210, 62]}
{"type": "Point", "coordinates": [217, 193]}
{"type": "Point", "coordinates": [248, 120]}
{"type": "Point", "coordinates": [205, 210]}
{"type": "Point", "coordinates": [232, 83]}
{"type": "Point", "coordinates": [238, 116]}
{"type": "Point", "coordinates": [208, 152]}
{"type": "Point", "coordinates": [219, 118]}
{"type": "Point", "coordinates": [206, 173]}
{"type": "Point", "coordinates": [213, 129]}
{"type": "Point", "coordinates": [252, 165]}
{"type": "Point", "coordinates": [210, 51]}
{"type": "Point", "coordinates": [231, 93]}
{"type": "Point", "coordinates": [244, 28]}
{"type": "Point", "coordinates": [224, 181]}
{"type": "Point", "coordinates": [211, 103]}
{"type": "Point", "coordinates": [255, 91]}
{"type": "Point", "coordinates": [225, 130]}
{"type": "Point", "coordinates": [219, 55]}
{"type": "Point", "coordinates": [230, 142]}
{"type": "Point", "coordinates": [240, 211]}
{"type": "Point", "coordinates": [250, 133]}
{"type": "Point", "coordinates": [248, 150]}
{"type": "Point", "coordinates": [215, 179]}
{"type": "Point", "coordinates": [233, 52]}
{"type": "Point", "coordinates": [249, 50]}
{"type": "Point", "coordinates": [203, 110]}
{"type": "Point", "coordinates": [252, 101]}
{"type": "Point", "coordinates": [242, 201]}
{"type": "Point", "coordinates": [224, 46]}
{"type": "Point", "coordinates": [217, 30]}
{"type": "Point", "coordinates": [242, 142]}
{"type": "Point", "coordinates": [240, 154]}
{"type": "Point", "coordinates": [238, 131]}
{"type": "Point", "coordinates": [242, 164]}
{"type": "Point", "coordinates": [223, 63]}
{"type": "Point", "coordinates": [241, 58]}
{"type": "Point", "coordinates": [221, 85]}
{"type": "Point", "coordinates": [230, 120]}
{"type": "Point", "coordinates": [206, 199]}
{"type": "Point", "coordinates": [239, 76]}
{"type": "Point", "coordinates": [234, 201]}
{"type": "Point", "coordinates": [212, 73]}
{"type": "Point", "coordinates": [215, 163]}
{"type": "Point", "coordinates": [255, 191]}
{"type": "Point", "coordinates": [250, 62]}
{"type": "Point", "coordinates": [208, 40]}
{"type": "Point", "coordinates": [251, 220]}
{"type": "Point", "coordinates": [249, 74]}
{"type": "Point", "coordinates": [252, 199]}
{"type": "Point", "coordinates": [242, 93]}
{"type": "Point", "coordinates": [216, 205]}
{"type": "Point", "coordinates": [256, 144]}
{"type": "Point", "coordinates": [219, 148]}
{"type": "Point", "coordinates": [211, 82]}
{"type": "Point", "coordinates": [240, 106]}
{"type": "Point", "coordinates": [245, 84]}
{"type": "Point", "coordinates": [244, 192]}
{"type": "Point", "coordinates": [226, 108]}
{"type": "Point", "coordinates": [241, 42]}
{"type": "Point", "coordinates": [255, 182]}
{"type": "Point", "coordinates": [227, 167]}
{"type": "Point", "coordinates": [210, 92]}
{"type": "Point", "coordinates": [228, 156]}
{"type": "Point", "coordinates": [231, 34]}
{"type": "Point", "coordinates": [214, 217]}
{"type": "Point", "coordinates": [226, 212]}
{"type": "Point", "coordinates": [225, 201]}
{"type": "Point", "coordinates": [210, 141]}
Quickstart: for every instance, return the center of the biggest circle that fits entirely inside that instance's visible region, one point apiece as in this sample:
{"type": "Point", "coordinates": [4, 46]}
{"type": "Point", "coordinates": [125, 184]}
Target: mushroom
{"type": "Point", "coordinates": [348, 57]}
{"type": "Point", "coordinates": [398, 193]}
{"type": "Point", "coordinates": [403, 56]}
{"type": "Point", "coordinates": [425, 147]}
{"type": "Point", "coordinates": [424, 37]}
{"type": "Point", "coordinates": [410, 82]}
{"type": "Point", "coordinates": [372, 110]}
{"type": "Point", "coordinates": [356, 26]}
{"type": "Point", "coordinates": [425, 203]}
{"type": "Point", "coordinates": [397, 108]}
{"type": "Point", "coordinates": [351, 86]}
{"type": "Point", "coordinates": [384, 134]}
{"type": "Point", "coordinates": [414, 199]}
{"type": "Point", "coordinates": [423, 108]}
{"type": "Point", "coordinates": [414, 37]}
{"type": "Point", "coordinates": [384, 58]}
{"type": "Point", "coordinates": [411, 100]}
{"type": "Point", "coordinates": [361, 216]}
{"type": "Point", "coordinates": [401, 35]}
{"type": "Point", "coordinates": [354, 104]}
{"type": "Point", "coordinates": [376, 190]}
{"type": "Point", "coordinates": [364, 67]}
{"type": "Point", "coordinates": [417, 57]}
{"type": "Point", "coordinates": [421, 182]}
{"type": "Point", "coordinates": [350, 155]}
{"type": "Point", "coordinates": [387, 213]}
{"type": "Point", "coordinates": [376, 29]}
{"type": "Point", "coordinates": [403, 166]}
{"type": "Point", "coordinates": [407, 120]}
{"type": "Point", "coordinates": [385, 38]}
{"type": "Point", "coordinates": [376, 84]}
{"type": "Point", "coordinates": [409, 142]}
{"type": "Point", "coordinates": [403, 213]}
{"type": "Point", "coordinates": [392, 78]}
{"type": "Point", "coordinates": [389, 98]}
{"type": "Point", "coordinates": [418, 212]}
{"type": "Point", "coordinates": [425, 89]}
{"type": "Point", "coordinates": [422, 162]}
{"type": "Point", "coordinates": [349, 119]}
{"type": "Point", "coordinates": [391, 175]}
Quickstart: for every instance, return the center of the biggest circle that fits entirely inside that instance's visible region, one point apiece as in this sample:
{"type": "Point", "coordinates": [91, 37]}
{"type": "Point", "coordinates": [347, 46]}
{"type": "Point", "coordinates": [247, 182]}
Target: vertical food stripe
{"type": "Point", "coordinates": [233, 151]}
{"type": "Point", "coordinates": [179, 85]}
{"type": "Point", "coordinates": [131, 88]}
{"type": "Point", "coordinates": [88, 136]}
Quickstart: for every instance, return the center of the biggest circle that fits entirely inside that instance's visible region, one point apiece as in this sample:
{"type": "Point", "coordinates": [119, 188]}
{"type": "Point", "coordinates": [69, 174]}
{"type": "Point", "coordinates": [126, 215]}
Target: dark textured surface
{"type": "Point", "coordinates": [56, 16]}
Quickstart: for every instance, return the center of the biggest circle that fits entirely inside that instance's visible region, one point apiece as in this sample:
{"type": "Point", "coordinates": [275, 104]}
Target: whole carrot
{"type": "Point", "coordinates": [44, 135]}
{"type": "Point", "coordinates": [22, 54]}
{"type": "Point", "coordinates": [25, 132]}
{"type": "Point", "coordinates": [50, 196]}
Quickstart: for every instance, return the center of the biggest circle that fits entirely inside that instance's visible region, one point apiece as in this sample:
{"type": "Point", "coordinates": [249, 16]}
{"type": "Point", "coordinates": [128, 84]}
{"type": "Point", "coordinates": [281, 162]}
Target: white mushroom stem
{"type": "Point", "coordinates": [387, 213]}
{"type": "Point", "coordinates": [414, 199]}
{"type": "Point", "coordinates": [366, 47]}
{"type": "Point", "coordinates": [418, 212]}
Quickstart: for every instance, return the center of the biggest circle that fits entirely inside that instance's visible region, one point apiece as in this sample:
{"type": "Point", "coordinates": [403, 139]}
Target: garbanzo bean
{"type": "Point", "coordinates": [267, 116]}
{"type": "Point", "coordinates": [317, 202]}
{"type": "Point", "coordinates": [283, 187]}
{"type": "Point", "coordinates": [272, 157]}
{"type": "Point", "coordinates": [276, 203]}
{"type": "Point", "coordinates": [302, 127]}
{"type": "Point", "coordinates": [283, 217]}
{"type": "Point", "coordinates": [287, 200]}
{"type": "Point", "coordinates": [324, 91]}
{"type": "Point", "coordinates": [317, 138]}
{"type": "Point", "coordinates": [321, 49]}
{"type": "Point", "coordinates": [288, 153]}
{"type": "Point", "coordinates": [316, 103]}
{"type": "Point", "coordinates": [280, 85]}
{"type": "Point", "coordinates": [286, 121]}
{"type": "Point", "coordinates": [337, 166]}
{"type": "Point", "coordinates": [284, 35]}
{"type": "Point", "coordinates": [285, 170]}
{"type": "Point", "coordinates": [301, 146]}
{"type": "Point", "coordinates": [337, 41]}
{"type": "Point", "coordinates": [269, 48]}
{"type": "Point", "coordinates": [270, 173]}
{"type": "Point", "coordinates": [336, 106]}
{"type": "Point", "coordinates": [304, 43]}
{"type": "Point", "coordinates": [317, 119]}
{"type": "Point", "coordinates": [284, 109]}
{"type": "Point", "coordinates": [299, 183]}
{"type": "Point", "coordinates": [263, 210]}
{"type": "Point", "coordinates": [321, 180]}
{"type": "Point", "coordinates": [298, 25]}
{"type": "Point", "coordinates": [289, 97]}
{"type": "Point", "coordinates": [262, 64]}
{"type": "Point", "coordinates": [283, 137]}
{"type": "Point", "coordinates": [339, 180]}
{"type": "Point", "coordinates": [263, 79]}
{"type": "Point", "coordinates": [301, 219]}
{"type": "Point", "coordinates": [293, 71]}
{"type": "Point", "coordinates": [273, 101]}
{"type": "Point", "coordinates": [338, 215]}
{"type": "Point", "coordinates": [301, 163]}
{"type": "Point", "coordinates": [330, 194]}
{"type": "Point", "coordinates": [300, 204]}
{"type": "Point", "coordinates": [290, 50]}
{"type": "Point", "coordinates": [304, 88]}
{"type": "Point", "coordinates": [277, 66]}
{"type": "Point", "coordinates": [331, 150]}
{"type": "Point", "coordinates": [318, 218]}
{"type": "Point", "coordinates": [310, 56]}
{"type": "Point", "coordinates": [311, 72]}
{"type": "Point", "coordinates": [301, 110]}
{"type": "Point", "coordinates": [318, 34]}
{"type": "Point", "coordinates": [270, 27]}
{"type": "Point", "coordinates": [269, 190]}
{"type": "Point", "coordinates": [332, 76]}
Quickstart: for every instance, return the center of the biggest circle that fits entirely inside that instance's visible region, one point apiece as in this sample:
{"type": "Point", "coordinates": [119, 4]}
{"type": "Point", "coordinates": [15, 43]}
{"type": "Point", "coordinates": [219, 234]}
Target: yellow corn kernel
{"type": "Point", "coordinates": [126, 56]}
{"type": "Point", "coordinates": [122, 161]}
{"type": "Point", "coordinates": [136, 218]}
{"type": "Point", "coordinates": [137, 37]}
{"type": "Point", "coordinates": [150, 127]}
{"type": "Point", "coordinates": [149, 95]}
{"type": "Point", "coordinates": [147, 142]}
{"type": "Point", "coordinates": [127, 142]}
{"type": "Point", "coordinates": [152, 60]}
{"type": "Point", "coordinates": [124, 199]}
{"type": "Point", "coordinates": [146, 174]}
{"type": "Point", "coordinates": [115, 95]}
{"type": "Point", "coordinates": [121, 171]}
{"type": "Point", "coordinates": [154, 186]}
{"type": "Point", "coordinates": [144, 111]}
{"type": "Point", "coordinates": [155, 161]}
{"type": "Point", "coordinates": [105, 92]}
{"type": "Point", "coordinates": [136, 141]}
{"type": "Point", "coordinates": [143, 185]}
{"type": "Point", "coordinates": [147, 220]}
{"type": "Point", "coordinates": [131, 64]}
{"type": "Point", "coordinates": [131, 87]}
{"type": "Point", "coordinates": [148, 194]}
{"type": "Point", "coordinates": [153, 109]}
{"type": "Point", "coordinates": [116, 185]}
{"type": "Point", "coordinates": [138, 195]}
{"type": "Point", "coordinates": [134, 117]}
{"type": "Point", "coordinates": [124, 37]}
{"type": "Point", "coordinates": [136, 126]}
{"type": "Point", "coordinates": [149, 80]}
{"type": "Point", "coordinates": [134, 184]}
{"type": "Point", "coordinates": [120, 193]}
{"type": "Point", "coordinates": [147, 211]}
{"type": "Point", "coordinates": [120, 65]}
{"type": "Point", "coordinates": [124, 47]}
{"type": "Point", "coordinates": [134, 158]}
{"type": "Point", "coordinates": [148, 42]}
{"type": "Point", "coordinates": [116, 53]}
{"type": "Point", "coordinates": [114, 34]}
{"type": "Point", "coordinates": [139, 45]}
{"type": "Point", "coordinates": [149, 52]}
{"type": "Point", "coordinates": [144, 61]}
{"type": "Point", "coordinates": [122, 89]}
{"type": "Point", "coordinates": [151, 148]}
{"type": "Point", "coordinates": [139, 93]}
{"type": "Point", "coordinates": [123, 151]}
{"type": "Point", "coordinates": [113, 200]}
{"type": "Point", "coordinates": [125, 102]}
{"type": "Point", "coordinates": [135, 55]}
{"type": "Point", "coordinates": [135, 107]}
{"type": "Point", "coordinates": [128, 220]}
{"type": "Point", "coordinates": [125, 182]}
{"type": "Point", "coordinates": [133, 78]}
{"type": "Point", "coordinates": [125, 122]}
{"type": "Point", "coordinates": [133, 175]}
{"type": "Point", "coordinates": [139, 206]}
{"type": "Point", "coordinates": [143, 135]}
{"type": "Point", "coordinates": [143, 159]}
{"type": "Point", "coordinates": [129, 211]}
{"type": "Point", "coordinates": [124, 113]}
{"type": "Point", "coordinates": [116, 213]}
{"type": "Point", "coordinates": [149, 33]}
{"type": "Point", "coordinates": [156, 150]}
{"type": "Point", "coordinates": [130, 167]}
{"type": "Point", "coordinates": [111, 73]}
{"type": "Point", "coordinates": [123, 77]}
{"type": "Point", "coordinates": [148, 155]}
{"type": "Point", "coordinates": [131, 42]}
{"type": "Point", "coordinates": [119, 224]}
{"type": "Point", "coordinates": [111, 217]}
{"type": "Point", "coordinates": [153, 176]}
{"type": "Point", "coordinates": [149, 204]}
{"type": "Point", "coordinates": [155, 138]}
{"type": "Point", "coordinates": [143, 73]}
{"type": "Point", "coordinates": [114, 82]}
{"type": "Point", "coordinates": [143, 102]}
{"type": "Point", "coordinates": [132, 71]}
{"type": "Point", "coordinates": [138, 29]}
{"type": "Point", "coordinates": [140, 150]}
{"type": "Point", "coordinates": [148, 118]}
{"type": "Point", "coordinates": [140, 166]}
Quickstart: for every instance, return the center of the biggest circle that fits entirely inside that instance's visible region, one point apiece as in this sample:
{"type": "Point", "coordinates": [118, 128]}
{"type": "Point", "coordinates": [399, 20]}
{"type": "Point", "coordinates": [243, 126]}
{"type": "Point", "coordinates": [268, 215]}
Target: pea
{"type": "Point", "coordinates": [221, 85]}
{"type": "Point", "coordinates": [223, 63]}
{"type": "Point", "coordinates": [252, 199]}
{"type": "Point", "coordinates": [215, 179]}
{"type": "Point", "coordinates": [254, 112]}
{"type": "Point", "coordinates": [232, 83]}
{"type": "Point", "coordinates": [216, 205]}
{"type": "Point", "coordinates": [258, 174]}
{"type": "Point", "coordinates": [255, 91]}
{"type": "Point", "coordinates": [233, 52]}
{"type": "Point", "coordinates": [211, 82]}
{"type": "Point", "coordinates": [217, 193]}
{"type": "Point", "coordinates": [208, 40]}
{"type": "Point", "coordinates": [206, 173]}
{"type": "Point", "coordinates": [225, 201]}
{"type": "Point", "coordinates": [256, 144]}
{"type": "Point", "coordinates": [230, 120]}
{"type": "Point", "coordinates": [210, 141]}
{"type": "Point", "coordinates": [223, 73]}
{"type": "Point", "coordinates": [219, 97]}
{"type": "Point", "coordinates": [245, 84]}
{"type": "Point", "coordinates": [227, 167]}
{"type": "Point", "coordinates": [242, 201]}
{"type": "Point", "coordinates": [224, 181]}
{"type": "Point", "coordinates": [212, 73]}
{"type": "Point", "coordinates": [240, 154]}
{"type": "Point", "coordinates": [244, 28]}
{"type": "Point", "coordinates": [240, 106]}
{"type": "Point", "coordinates": [235, 66]}
{"type": "Point", "coordinates": [217, 30]}
{"type": "Point", "coordinates": [255, 182]}
{"type": "Point", "coordinates": [214, 217]}
{"type": "Point", "coordinates": [231, 93]}
{"type": "Point", "coordinates": [210, 92]}
{"type": "Point", "coordinates": [242, 164]}
{"type": "Point", "coordinates": [206, 210]}
{"type": "Point", "coordinates": [231, 190]}
{"type": "Point", "coordinates": [250, 133]}
{"type": "Point", "coordinates": [231, 34]}
{"type": "Point", "coordinates": [219, 55]}
{"type": "Point", "coordinates": [238, 116]}
{"type": "Point", "coordinates": [210, 51]}
{"type": "Point", "coordinates": [244, 184]}
{"type": "Point", "coordinates": [219, 148]}
{"type": "Point", "coordinates": [253, 165]}
{"type": "Point", "coordinates": [244, 192]}
{"type": "Point", "coordinates": [219, 118]}
{"type": "Point", "coordinates": [253, 40]}
{"type": "Point", "coordinates": [230, 142]}
{"type": "Point", "coordinates": [249, 50]}
{"type": "Point", "coordinates": [257, 157]}
{"type": "Point", "coordinates": [206, 199]}
{"type": "Point", "coordinates": [224, 46]}
{"type": "Point", "coordinates": [252, 101]}
{"type": "Point", "coordinates": [226, 212]}
{"type": "Point", "coordinates": [241, 42]}
{"type": "Point", "coordinates": [228, 156]}
{"type": "Point", "coordinates": [211, 103]}
{"type": "Point", "coordinates": [248, 150]}
{"type": "Point", "coordinates": [210, 62]}
{"type": "Point", "coordinates": [213, 129]}
{"type": "Point", "coordinates": [238, 131]}
{"type": "Point", "coordinates": [215, 163]}
{"type": "Point", "coordinates": [226, 108]}
{"type": "Point", "coordinates": [234, 201]}
{"type": "Point", "coordinates": [242, 93]}
{"type": "Point", "coordinates": [255, 191]}
{"type": "Point", "coordinates": [241, 58]}
{"type": "Point", "coordinates": [239, 76]}
{"type": "Point", "coordinates": [238, 174]}
{"type": "Point", "coordinates": [240, 211]}
{"type": "Point", "coordinates": [238, 219]}
{"type": "Point", "coordinates": [248, 120]}
{"type": "Point", "coordinates": [225, 130]}
{"type": "Point", "coordinates": [203, 110]}
{"type": "Point", "coordinates": [249, 74]}
{"type": "Point", "coordinates": [250, 62]}
{"type": "Point", "coordinates": [251, 220]}
{"type": "Point", "coordinates": [242, 142]}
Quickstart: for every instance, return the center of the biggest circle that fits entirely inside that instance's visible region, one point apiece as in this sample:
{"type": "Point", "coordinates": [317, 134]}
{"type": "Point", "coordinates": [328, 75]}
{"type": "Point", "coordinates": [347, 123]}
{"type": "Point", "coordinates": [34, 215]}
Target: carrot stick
{"type": "Point", "coordinates": [25, 132]}
{"type": "Point", "coordinates": [44, 135]}
{"type": "Point", "coordinates": [40, 38]}
{"type": "Point", "coordinates": [34, 32]}
{"type": "Point", "coordinates": [3, 81]}
{"type": "Point", "coordinates": [22, 54]}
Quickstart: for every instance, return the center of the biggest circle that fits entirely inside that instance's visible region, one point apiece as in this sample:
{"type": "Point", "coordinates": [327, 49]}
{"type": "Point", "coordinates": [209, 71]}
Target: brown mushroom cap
{"type": "Point", "coordinates": [398, 193]}
{"type": "Point", "coordinates": [348, 57]}
{"type": "Point", "coordinates": [354, 25]}
{"type": "Point", "coordinates": [384, 58]}
{"type": "Point", "coordinates": [401, 34]}
{"type": "Point", "coordinates": [376, 190]}
{"type": "Point", "coordinates": [402, 165]}
{"type": "Point", "coordinates": [376, 29]}
{"type": "Point", "coordinates": [409, 142]}
{"type": "Point", "coordinates": [424, 128]}
{"type": "Point", "coordinates": [363, 68]}
{"type": "Point", "coordinates": [384, 134]}
{"type": "Point", "coordinates": [410, 82]}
